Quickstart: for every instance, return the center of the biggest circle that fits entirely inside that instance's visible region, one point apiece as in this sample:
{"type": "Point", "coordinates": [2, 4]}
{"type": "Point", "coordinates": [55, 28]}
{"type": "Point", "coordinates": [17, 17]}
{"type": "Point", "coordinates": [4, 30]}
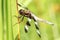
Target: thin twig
{"type": "Point", "coordinates": [18, 22]}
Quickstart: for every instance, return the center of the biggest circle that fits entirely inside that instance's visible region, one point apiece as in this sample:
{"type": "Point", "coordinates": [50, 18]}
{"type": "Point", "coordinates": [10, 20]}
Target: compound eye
{"type": "Point", "coordinates": [21, 11]}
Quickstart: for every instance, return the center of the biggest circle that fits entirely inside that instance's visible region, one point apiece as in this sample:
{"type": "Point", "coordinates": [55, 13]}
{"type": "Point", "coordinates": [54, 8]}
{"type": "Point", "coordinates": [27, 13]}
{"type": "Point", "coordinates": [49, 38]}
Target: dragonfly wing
{"type": "Point", "coordinates": [37, 27]}
{"type": "Point", "coordinates": [27, 25]}
{"type": "Point", "coordinates": [42, 20]}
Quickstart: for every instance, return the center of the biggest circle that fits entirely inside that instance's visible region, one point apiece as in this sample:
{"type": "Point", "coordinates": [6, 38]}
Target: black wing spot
{"type": "Point", "coordinates": [25, 30]}
{"type": "Point", "coordinates": [36, 27]}
{"type": "Point", "coordinates": [28, 23]}
{"type": "Point", "coordinates": [39, 35]}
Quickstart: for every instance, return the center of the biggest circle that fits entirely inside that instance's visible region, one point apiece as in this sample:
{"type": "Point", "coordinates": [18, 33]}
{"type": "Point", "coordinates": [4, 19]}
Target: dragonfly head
{"type": "Point", "coordinates": [21, 11]}
{"type": "Point", "coordinates": [24, 12]}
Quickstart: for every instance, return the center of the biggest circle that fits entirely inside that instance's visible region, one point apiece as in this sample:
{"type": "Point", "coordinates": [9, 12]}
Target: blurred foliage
{"type": "Point", "coordinates": [45, 9]}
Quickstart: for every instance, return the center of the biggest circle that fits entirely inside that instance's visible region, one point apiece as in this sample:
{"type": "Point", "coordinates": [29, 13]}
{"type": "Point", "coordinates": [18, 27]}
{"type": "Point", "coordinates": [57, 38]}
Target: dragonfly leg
{"type": "Point", "coordinates": [22, 19]}
{"type": "Point", "coordinates": [18, 18]}
{"type": "Point", "coordinates": [22, 6]}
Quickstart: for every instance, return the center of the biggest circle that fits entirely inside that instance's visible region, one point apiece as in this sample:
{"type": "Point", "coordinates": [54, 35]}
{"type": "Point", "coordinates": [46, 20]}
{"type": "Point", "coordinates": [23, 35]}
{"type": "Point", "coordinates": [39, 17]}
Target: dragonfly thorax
{"type": "Point", "coordinates": [25, 13]}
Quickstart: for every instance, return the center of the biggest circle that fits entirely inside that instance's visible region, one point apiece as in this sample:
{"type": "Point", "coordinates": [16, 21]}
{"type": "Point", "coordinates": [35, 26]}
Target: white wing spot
{"type": "Point", "coordinates": [36, 23]}
{"type": "Point", "coordinates": [26, 27]}
{"type": "Point", "coordinates": [38, 32]}
{"type": "Point", "coordinates": [29, 20]}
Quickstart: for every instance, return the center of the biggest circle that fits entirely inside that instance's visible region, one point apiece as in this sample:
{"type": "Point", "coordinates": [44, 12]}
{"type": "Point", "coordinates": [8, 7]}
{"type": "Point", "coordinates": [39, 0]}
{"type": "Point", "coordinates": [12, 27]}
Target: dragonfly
{"type": "Point", "coordinates": [30, 16]}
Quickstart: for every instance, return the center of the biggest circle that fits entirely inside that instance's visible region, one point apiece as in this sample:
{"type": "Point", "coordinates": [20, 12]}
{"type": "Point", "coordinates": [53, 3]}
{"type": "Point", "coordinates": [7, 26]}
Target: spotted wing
{"type": "Point", "coordinates": [37, 27]}
{"type": "Point", "coordinates": [27, 25]}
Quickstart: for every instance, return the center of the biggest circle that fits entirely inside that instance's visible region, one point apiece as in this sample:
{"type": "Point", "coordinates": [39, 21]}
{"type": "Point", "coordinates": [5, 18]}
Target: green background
{"type": "Point", "coordinates": [45, 9]}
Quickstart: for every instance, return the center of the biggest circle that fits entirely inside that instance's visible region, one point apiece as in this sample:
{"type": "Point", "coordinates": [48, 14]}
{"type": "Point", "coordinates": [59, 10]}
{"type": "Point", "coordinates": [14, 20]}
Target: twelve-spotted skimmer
{"type": "Point", "coordinates": [27, 13]}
